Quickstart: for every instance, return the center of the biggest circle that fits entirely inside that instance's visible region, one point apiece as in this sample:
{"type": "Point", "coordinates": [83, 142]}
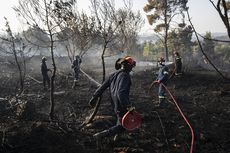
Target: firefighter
{"type": "Point", "coordinates": [162, 78]}
{"type": "Point", "coordinates": [76, 67]}
{"type": "Point", "coordinates": [119, 84]}
{"type": "Point", "coordinates": [44, 71]}
{"type": "Point", "coordinates": [178, 64]}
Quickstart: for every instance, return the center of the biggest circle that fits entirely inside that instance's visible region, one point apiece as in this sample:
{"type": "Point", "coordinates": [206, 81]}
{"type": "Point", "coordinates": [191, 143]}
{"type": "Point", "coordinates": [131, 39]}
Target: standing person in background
{"type": "Point", "coordinates": [119, 84]}
{"type": "Point", "coordinates": [178, 63]}
{"type": "Point", "coordinates": [76, 67]}
{"type": "Point", "coordinates": [162, 78]}
{"type": "Point", "coordinates": [44, 71]}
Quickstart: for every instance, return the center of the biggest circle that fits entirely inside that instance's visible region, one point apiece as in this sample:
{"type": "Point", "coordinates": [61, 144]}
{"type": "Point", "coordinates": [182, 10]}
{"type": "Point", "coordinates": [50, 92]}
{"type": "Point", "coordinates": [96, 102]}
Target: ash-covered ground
{"type": "Point", "coordinates": [203, 97]}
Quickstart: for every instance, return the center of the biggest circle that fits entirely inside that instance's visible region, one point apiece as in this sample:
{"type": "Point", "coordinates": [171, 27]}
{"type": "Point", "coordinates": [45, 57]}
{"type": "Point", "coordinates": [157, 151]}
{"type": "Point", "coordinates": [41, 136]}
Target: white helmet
{"type": "Point", "coordinates": [44, 58]}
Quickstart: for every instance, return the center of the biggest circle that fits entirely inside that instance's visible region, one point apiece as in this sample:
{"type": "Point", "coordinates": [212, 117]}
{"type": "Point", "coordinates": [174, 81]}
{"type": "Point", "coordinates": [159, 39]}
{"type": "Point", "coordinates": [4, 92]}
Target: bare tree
{"type": "Point", "coordinates": [84, 31]}
{"type": "Point", "coordinates": [107, 25]}
{"type": "Point", "coordinates": [131, 25]}
{"type": "Point", "coordinates": [15, 47]}
{"type": "Point", "coordinates": [77, 30]}
{"type": "Point", "coordinates": [223, 7]}
{"type": "Point", "coordinates": [40, 15]}
{"type": "Point", "coordinates": [114, 30]}
{"type": "Point", "coordinates": [202, 50]}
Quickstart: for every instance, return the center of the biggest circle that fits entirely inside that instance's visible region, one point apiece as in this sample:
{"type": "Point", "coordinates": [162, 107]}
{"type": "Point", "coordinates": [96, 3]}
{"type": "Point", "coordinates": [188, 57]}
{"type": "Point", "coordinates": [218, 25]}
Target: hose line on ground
{"type": "Point", "coordinates": [182, 114]}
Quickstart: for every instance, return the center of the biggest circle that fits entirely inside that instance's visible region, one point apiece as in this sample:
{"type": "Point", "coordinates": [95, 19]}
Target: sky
{"type": "Point", "coordinates": [203, 15]}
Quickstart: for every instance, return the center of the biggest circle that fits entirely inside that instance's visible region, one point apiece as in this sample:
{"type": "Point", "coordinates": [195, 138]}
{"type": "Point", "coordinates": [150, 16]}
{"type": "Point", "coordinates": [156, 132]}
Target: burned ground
{"type": "Point", "coordinates": [204, 99]}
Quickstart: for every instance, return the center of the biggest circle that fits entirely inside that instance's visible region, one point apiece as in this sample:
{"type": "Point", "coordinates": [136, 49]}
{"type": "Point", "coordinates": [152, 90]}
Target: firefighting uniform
{"type": "Point", "coordinates": [45, 76]}
{"type": "Point", "coordinates": [162, 77]}
{"type": "Point", "coordinates": [119, 85]}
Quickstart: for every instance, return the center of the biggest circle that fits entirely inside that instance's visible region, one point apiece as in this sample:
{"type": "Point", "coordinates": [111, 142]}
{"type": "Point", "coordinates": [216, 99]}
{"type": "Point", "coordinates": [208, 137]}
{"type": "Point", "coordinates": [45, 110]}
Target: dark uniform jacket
{"type": "Point", "coordinates": [119, 84]}
{"type": "Point", "coordinates": [178, 64]}
{"type": "Point", "coordinates": [178, 60]}
{"type": "Point", "coordinates": [163, 74]}
{"type": "Point", "coordinates": [76, 64]}
{"type": "Point", "coordinates": [44, 68]}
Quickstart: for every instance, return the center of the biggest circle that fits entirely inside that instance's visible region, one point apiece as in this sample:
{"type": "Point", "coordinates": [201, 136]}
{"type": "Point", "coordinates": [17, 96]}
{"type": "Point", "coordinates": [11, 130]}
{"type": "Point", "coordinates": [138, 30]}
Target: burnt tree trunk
{"type": "Point", "coordinates": [19, 67]}
{"type": "Point", "coordinates": [51, 113]}
{"type": "Point", "coordinates": [99, 100]}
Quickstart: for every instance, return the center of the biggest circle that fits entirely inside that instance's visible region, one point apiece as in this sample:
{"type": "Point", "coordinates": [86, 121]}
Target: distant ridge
{"type": "Point", "coordinates": [153, 37]}
{"type": "Point", "coordinates": [215, 35]}
{"type": "Point", "coordinates": [147, 38]}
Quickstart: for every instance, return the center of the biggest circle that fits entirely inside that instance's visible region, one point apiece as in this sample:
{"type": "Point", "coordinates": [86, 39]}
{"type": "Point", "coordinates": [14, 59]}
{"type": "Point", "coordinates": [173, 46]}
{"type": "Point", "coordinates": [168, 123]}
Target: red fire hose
{"type": "Point", "coordinates": [182, 114]}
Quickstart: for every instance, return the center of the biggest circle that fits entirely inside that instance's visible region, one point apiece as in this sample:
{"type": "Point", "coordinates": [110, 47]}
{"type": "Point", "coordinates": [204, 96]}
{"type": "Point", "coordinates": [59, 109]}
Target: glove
{"type": "Point", "coordinates": [130, 109]}
{"type": "Point", "coordinates": [92, 101]}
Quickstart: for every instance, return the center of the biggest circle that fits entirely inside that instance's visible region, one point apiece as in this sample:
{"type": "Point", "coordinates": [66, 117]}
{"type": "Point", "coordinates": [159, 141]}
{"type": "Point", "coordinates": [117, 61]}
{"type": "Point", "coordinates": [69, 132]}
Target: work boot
{"type": "Point", "coordinates": [101, 134]}
{"type": "Point", "coordinates": [162, 103]}
{"type": "Point", "coordinates": [74, 85]}
{"type": "Point", "coordinates": [116, 138]}
{"type": "Point", "coordinates": [99, 137]}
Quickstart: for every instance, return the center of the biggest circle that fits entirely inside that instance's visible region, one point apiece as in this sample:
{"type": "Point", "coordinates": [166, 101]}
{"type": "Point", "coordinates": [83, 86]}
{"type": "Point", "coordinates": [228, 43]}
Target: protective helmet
{"type": "Point", "coordinates": [44, 58]}
{"type": "Point", "coordinates": [161, 59]}
{"type": "Point", "coordinates": [130, 61]}
{"type": "Point", "coordinates": [176, 53]}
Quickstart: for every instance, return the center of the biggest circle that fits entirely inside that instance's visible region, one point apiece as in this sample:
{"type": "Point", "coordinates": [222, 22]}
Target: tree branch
{"type": "Point", "coordinates": [202, 48]}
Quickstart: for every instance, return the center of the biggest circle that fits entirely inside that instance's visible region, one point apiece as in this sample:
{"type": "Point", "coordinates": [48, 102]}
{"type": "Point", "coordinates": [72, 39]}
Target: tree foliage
{"type": "Point", "coordinates": [161, 14]}
{"type": "Point", "coordinates": [223, 7]}
{"type": "Point", "coordinates": [208, 44]}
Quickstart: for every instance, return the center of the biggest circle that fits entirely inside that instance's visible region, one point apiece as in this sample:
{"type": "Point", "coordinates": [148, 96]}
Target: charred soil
{"type": "Point", "coordinates": [204, 99]}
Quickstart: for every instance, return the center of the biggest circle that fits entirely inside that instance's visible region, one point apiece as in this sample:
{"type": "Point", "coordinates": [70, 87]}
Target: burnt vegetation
{"type": "Point", "coordinates": [58, 120]}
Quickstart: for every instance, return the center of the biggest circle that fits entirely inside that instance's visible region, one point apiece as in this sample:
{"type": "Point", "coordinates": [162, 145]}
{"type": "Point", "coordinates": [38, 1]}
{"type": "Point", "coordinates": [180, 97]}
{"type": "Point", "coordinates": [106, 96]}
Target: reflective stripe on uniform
{"type": "Point", "coordinates": [162, 97]}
